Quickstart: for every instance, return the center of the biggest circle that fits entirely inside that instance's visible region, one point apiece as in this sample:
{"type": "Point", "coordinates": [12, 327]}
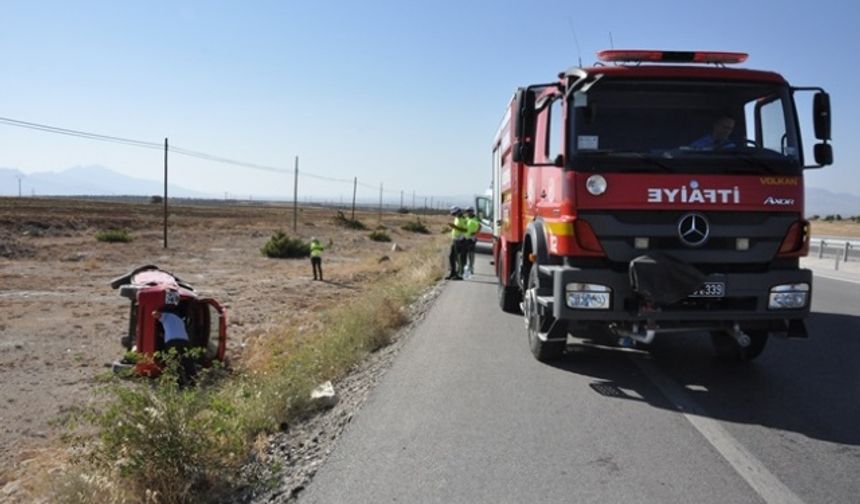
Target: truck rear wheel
{"type": "Point", "coordinates": [727, 348]}
{"type": "Point", "coordinates": [537, 324]}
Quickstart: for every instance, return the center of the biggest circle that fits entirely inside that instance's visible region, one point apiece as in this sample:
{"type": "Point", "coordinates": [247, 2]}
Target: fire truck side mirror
{"type": "Point", "coordinates": [823, 154]}
{"type": "Point", "coordinates": [522, 153]}
{"type": "Point", "coordinates": [524, 126]}
{"type": "Point", "coordinates": [821, 118]}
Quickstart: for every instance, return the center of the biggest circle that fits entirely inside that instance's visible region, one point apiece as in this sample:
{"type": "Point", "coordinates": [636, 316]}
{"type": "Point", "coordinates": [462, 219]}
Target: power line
{"type": "Point", "coordinates": [80, 134]}
{"type": "Point", "coordinates": [180, 150]}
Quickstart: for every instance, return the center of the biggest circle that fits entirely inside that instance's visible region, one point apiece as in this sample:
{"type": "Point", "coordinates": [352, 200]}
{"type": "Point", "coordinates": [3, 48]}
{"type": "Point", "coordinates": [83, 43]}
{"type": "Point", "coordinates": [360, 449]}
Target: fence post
{"type": "Point", "coordinates": [845, 253]}
{"type": "Point", "coordinates": [821, 246]}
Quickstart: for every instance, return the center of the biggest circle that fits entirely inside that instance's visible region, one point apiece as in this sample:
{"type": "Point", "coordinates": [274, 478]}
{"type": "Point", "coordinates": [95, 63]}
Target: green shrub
{"type": "Point", "coordinates": [180, 444]}
{"type": "Point", "coordinates": [280, 246]}
{"type": "Point", "coordinates": [114, 236]}
{"type": "Point", "coordinates": [341, 220]}
{"type": "Point", "coordinates": [380, 236]}
{"type": "Point", "coordinates": [415, 227]}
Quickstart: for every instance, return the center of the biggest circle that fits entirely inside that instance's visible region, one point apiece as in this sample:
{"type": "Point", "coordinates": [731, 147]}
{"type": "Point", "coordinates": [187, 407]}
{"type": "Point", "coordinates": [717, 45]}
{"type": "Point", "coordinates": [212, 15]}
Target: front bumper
{"type": "Point", "coordinates": [745, 300]}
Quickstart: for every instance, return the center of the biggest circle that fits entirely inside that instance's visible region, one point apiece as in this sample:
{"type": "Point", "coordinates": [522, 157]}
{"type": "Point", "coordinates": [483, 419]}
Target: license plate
{"type": "Point", "coordinates": [710, 290]}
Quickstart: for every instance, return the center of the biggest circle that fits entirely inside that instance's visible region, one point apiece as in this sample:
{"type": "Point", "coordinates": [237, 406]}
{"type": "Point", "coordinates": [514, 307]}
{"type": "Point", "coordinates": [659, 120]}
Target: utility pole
{"type": "Point", "coordinates": [413, 199]}
{"type": "Point", "coordinates": [19, 177]}
{"type": "Point", "coordinates": [165, 192]}
{"type": "Point", "coordinates": [296, 198]}
{"type": "Point", "coordinates": [401, 198]}
{"type": "Point", "coordinates": [380, 203]}
{"type": "Point", "coordinates": [354, 187]}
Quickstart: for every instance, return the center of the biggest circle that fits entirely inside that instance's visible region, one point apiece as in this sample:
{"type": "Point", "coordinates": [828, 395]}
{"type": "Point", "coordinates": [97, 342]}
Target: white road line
{"type": "Point", "coordinates": [763, 482]}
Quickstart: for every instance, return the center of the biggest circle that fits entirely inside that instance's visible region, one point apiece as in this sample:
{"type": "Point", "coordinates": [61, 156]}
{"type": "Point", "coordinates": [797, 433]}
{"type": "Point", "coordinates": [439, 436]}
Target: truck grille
{"type": "Point", "coordinates": [765, 231]}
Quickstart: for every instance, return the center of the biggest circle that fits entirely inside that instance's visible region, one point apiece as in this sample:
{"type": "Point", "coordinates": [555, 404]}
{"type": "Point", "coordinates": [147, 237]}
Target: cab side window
{"type": "Point", "coordinates": [555, 131]}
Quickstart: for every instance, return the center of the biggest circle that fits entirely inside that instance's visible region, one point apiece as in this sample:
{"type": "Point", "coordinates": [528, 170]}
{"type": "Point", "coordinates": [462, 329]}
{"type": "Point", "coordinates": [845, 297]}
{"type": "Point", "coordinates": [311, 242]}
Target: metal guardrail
{"type": "Point", "coordinates": [846, 250]}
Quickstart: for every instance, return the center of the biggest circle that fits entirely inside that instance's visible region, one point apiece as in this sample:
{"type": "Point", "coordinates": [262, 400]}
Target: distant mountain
{"type": "Point", "coordinates": [823, 202]}
{"type": "Point", "coordinates": [85, 180]}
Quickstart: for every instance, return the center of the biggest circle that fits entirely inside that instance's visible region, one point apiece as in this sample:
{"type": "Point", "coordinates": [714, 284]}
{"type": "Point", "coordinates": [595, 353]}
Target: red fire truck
{"type": "Point", "coordinates": [656, 191]}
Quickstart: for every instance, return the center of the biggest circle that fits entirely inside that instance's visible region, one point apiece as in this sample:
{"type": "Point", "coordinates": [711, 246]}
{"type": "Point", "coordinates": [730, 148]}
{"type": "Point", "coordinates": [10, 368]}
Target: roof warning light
{"type": "Point", "coordinates": [641, 55]}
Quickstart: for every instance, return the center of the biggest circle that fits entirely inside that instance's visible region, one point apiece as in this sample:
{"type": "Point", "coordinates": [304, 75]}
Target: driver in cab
{"type": "Point", "coordinates": [718, 138]}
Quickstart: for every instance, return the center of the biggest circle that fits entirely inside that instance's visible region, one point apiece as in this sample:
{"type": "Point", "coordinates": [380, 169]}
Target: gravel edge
{"type": "Point", "coordinates": [291, 459]}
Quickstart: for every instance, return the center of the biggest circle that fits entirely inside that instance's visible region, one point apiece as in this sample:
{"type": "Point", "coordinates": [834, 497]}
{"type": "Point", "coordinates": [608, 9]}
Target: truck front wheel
{"type": "Point", "coordinates": [547, 338]}
{"type": "Point", "coordinates": [727, 348]}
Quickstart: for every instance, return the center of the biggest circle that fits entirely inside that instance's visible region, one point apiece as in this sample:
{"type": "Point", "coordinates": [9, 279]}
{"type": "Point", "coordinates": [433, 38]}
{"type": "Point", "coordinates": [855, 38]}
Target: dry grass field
{"type": "Point", "coordinates": [844, 228]}
{"type": "Point", "coordinates": [60, 322]}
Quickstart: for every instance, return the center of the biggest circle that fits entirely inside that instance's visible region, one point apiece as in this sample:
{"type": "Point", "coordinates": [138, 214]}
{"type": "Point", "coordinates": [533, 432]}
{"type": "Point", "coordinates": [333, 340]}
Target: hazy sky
{"type": "Point", "coordinates": [400, 92]}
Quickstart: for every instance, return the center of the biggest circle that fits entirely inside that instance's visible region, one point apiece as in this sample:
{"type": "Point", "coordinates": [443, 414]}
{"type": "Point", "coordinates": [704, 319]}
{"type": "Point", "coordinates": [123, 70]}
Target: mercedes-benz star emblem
{"type": "Point", "coordinates": [693, 229]}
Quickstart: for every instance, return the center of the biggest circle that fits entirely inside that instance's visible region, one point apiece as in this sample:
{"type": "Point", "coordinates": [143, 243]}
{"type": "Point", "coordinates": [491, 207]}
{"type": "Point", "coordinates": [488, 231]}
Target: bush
{"type": "Point", "coordinates": [416, 227]}
{"type": "Point", "coordinates": [341, 220]}
{"type": "Point", "coordinates": [114, 236]}
{"type": "Point", "coordinates": [815, 217]}
{"type": "Point", "coordinates": [282, 246]}
{"type": "Point", "coordinates": [403, 210]}
{"type": "Point", "coordinates": [380, 235]}
{"type": "Point", "coordinates": [177, 444]}
{"type": "Point", "coordinates": [156, 199]}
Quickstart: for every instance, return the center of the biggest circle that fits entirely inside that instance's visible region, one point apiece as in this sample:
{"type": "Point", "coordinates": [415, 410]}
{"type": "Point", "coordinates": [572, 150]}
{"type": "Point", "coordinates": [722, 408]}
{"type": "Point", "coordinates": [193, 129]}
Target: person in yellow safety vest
{"type": "Point", "coordinates": [473, 225]}
{"type": "Point", "coordinates": [457, 255]}
{"type": "Point", "coordinates": [316, 258]}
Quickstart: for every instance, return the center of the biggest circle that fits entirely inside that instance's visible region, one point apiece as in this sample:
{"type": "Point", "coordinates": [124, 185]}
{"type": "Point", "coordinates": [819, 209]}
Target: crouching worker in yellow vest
{"type": "Point", "coordinates": [316, 258]}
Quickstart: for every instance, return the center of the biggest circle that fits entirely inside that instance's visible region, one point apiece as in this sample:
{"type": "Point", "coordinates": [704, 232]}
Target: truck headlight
{"type": "Point", "coordinates": [788, 296]}
{"type": "Point", "coordinates": [596, 185]}
{"type": "Point", "coordinates": [584, 296]}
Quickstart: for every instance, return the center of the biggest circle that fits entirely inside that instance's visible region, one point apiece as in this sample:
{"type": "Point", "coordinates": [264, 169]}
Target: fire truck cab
{"type": "Point", "coordinates": [656, 191]}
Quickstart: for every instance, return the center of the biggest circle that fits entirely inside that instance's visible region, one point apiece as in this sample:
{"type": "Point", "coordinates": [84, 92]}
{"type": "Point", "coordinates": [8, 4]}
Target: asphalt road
{"type": "Point", "coordinates": [466, 415]}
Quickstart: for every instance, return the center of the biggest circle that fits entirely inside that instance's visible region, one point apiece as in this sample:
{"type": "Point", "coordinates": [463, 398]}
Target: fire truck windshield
{"type": "Point", "coordinates": [684, 126]}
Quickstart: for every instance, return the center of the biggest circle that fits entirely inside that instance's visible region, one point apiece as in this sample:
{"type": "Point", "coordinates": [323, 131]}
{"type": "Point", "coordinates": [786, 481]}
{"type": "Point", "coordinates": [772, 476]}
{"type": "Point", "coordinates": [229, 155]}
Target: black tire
{"type": "Point", "coordinates": [509, 298]}
{"type": "Point", "coordinates": [544, 351]}
{"type": "Point", "coordinates": [726, 348]}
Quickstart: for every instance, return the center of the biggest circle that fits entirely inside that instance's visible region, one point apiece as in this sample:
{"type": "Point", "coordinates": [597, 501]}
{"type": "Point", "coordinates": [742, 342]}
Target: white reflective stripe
{"type": "Point", "coordinates": [752, 470]}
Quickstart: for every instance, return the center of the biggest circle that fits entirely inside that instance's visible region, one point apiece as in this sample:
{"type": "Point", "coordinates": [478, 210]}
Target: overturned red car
{"type": "Point", "coordinates": [151, 289]}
